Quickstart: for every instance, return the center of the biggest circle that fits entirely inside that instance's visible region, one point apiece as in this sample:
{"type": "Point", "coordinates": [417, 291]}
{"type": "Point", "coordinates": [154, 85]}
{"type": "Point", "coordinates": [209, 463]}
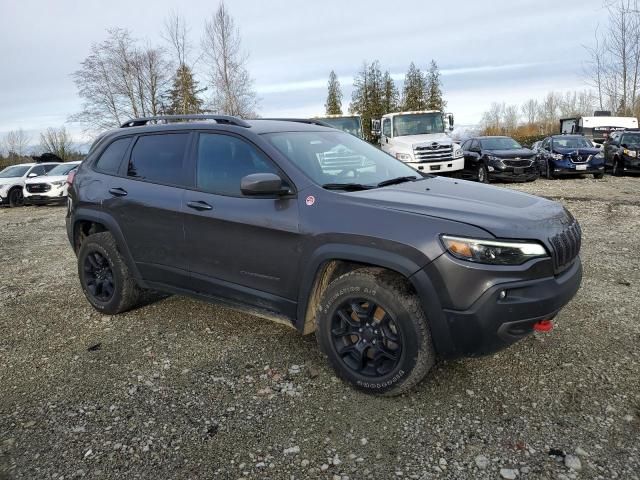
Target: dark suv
{"type": "Point", "coordinates": [621, 152]}
{"type": "Point", "coordinates": [561, 155]}
{"type": "Point", "coordinates": [501, 158]}
{"type": "Point", "coordinates": [317, 229]}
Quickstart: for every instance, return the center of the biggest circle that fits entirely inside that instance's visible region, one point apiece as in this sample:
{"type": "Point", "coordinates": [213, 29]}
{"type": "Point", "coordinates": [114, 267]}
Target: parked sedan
{"type": "Point", "coordinates": [621, 152]}
{"type": "Point", "coordinates": [487, 158]}
{"type": "Point", "coordinates": [569, 155]}
{"type": "Point", "coordinates": [50, 188]}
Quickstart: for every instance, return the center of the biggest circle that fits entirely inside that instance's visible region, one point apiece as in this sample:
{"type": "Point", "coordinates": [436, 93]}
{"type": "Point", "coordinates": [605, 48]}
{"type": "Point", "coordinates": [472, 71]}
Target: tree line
{"type": "Point", "coordinates": [375, 92]}
{"type": "Point", "coordinates": [15, 146]}
{"type": "Point", "coordinates": [124, 77]}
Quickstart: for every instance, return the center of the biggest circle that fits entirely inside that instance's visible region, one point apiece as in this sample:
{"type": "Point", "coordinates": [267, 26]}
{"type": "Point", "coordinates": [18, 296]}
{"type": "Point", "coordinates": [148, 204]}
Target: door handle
{"type": "Point", "coordinates": [118, 192]}
{"type": "Point", "coordinates": [199, 205]}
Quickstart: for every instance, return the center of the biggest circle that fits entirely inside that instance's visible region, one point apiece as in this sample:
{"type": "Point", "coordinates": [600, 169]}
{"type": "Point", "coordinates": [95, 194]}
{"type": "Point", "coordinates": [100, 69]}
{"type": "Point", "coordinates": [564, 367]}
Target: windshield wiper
{"type": "Point", "coordinates": [347, 186]}
{"type": "Point", "coordinates": [394, 181]}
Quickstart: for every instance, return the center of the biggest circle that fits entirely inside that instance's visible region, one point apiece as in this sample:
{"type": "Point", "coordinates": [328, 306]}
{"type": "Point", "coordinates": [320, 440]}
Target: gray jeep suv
{"type": "Point", "coordinates": [319, 230]}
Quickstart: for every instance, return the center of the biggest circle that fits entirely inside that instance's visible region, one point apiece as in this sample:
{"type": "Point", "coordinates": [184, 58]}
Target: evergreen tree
{"type": "Point", "coordinates": [434, 89]}
{"type": "Point", "coordinates": [415, 90]}
{"type": "Point", "coordinates": [390, 97]}
{"type": "Point", "coordinates": [333, 106]}
{"type": "Point", "coordinates": [183, 95]}
{"type": "Point", "coordinates": [367, 98]}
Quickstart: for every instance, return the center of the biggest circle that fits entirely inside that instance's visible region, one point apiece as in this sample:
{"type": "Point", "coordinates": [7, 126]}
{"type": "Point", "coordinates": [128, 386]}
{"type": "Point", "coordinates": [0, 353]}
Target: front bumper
{"type": "Point", "coordinates": [567, 167]}
{"type": "Point", "coordinates": [489, 323]}
{"type": "Point", "coordinates": [438, 167]}
{"type": "Point", "coordinates": [630, 164]}
{"type": "Point", "coordinates": [55, 195]}
{"type": "Point", "coordinates": [513, 174]}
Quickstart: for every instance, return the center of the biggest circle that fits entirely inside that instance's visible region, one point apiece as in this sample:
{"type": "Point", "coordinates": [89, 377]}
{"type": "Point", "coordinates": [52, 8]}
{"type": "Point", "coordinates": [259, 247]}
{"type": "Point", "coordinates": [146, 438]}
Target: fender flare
{"type": "Point", "coordinates": [413, 272]}
{"type": "Point", "coordinates": [112, 227]}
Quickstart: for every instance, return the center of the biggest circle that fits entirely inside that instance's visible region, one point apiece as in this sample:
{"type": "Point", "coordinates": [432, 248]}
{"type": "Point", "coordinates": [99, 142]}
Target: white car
{"type": "Point", "coordinates": [49, 188]}
{"type": "Point", "coordinates": [13, 178]}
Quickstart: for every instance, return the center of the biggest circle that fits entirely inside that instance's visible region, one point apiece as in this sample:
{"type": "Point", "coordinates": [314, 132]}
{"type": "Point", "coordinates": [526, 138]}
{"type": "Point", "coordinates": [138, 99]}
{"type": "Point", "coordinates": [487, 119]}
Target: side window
{"type": "Point", "coordinates": [545, 144]}
{"type": "Point", "coordinates": [49, 167]}
{"type": "Point", "coordinates": [223, 160]}
{"type": "Point", "coordinates": [465, 145]}
{"type": "Point", "coordinates": [386, 127]}
{"type": "Point", "coordinates": [159, 158]}
{"type": "Point", "coordinates": [38, 170]}
{"type": "Point", "coordinates": [475, 145]}
{"type": "Point", "coordinates": [109, 161]}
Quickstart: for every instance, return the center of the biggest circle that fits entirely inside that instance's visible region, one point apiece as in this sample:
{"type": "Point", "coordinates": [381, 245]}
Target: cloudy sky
{"type": "Point", "coordinates": [488, 51]}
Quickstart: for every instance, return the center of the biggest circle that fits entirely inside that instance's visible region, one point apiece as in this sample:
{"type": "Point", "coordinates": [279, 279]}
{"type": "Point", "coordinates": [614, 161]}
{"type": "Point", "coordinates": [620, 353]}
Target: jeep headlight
{"type": "Point", "coordinates": [493, 252]}
{"type": "Point", "coordinates": [405, 157]}
{"type": "Point", "coordinates": [630, 153]}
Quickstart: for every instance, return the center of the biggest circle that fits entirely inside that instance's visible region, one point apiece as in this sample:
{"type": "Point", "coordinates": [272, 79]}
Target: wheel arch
{"type": "Point", "coordinates": [86, 223]}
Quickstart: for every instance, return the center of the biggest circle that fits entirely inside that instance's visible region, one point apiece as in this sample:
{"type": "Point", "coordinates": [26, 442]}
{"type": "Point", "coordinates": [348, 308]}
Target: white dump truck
{"type": "Point", "coordinates": [348, 123]}
{"type": "Point", "coordinates": [420, 139]}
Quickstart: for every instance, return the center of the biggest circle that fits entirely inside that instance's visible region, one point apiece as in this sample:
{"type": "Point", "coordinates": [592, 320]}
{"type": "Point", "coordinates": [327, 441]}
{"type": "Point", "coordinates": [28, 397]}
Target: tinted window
{"type": "Point", "coordinates": [38, 170]}
{"type": "Point", "coordinates": [223, 160]}
{"type": "Point", "coordinates": [49, 167]}
{"type": "Point", "coordinates": [109, 161]}
{"type": "Point", "coordinates": [159, 158]}
{"type": "Point", "coordinates": [386, 127]}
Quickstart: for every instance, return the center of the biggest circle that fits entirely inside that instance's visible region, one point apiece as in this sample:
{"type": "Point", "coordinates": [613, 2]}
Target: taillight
{"type": "Point", "coordinates": [71, 176]}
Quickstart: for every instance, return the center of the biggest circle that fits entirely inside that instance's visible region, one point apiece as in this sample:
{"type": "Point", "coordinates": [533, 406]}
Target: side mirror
{"type": "Point", "coordinates": [32, 175]}
{"type": "Point", "coordinates": [262, 184]}
{"type": "Point", "coordinates": [375, 127]}
{"type": "Point", "coordinates": [449, 120]}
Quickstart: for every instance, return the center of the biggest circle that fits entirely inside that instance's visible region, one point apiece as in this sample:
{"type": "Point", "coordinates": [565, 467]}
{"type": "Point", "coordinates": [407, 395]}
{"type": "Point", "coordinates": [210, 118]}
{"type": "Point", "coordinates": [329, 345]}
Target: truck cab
{"type": "Point", "coordinates": [347, 123]}
{"type": "Point", "coordinates": [421, 140]}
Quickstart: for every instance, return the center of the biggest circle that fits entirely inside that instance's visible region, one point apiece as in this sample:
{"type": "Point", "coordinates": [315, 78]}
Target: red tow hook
{"type": "Point", "coordinates": [543, 326]}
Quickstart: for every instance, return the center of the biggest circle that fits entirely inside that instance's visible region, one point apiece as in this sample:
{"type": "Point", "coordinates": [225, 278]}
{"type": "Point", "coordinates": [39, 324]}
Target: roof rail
{"type": "Point", "coordinates": [225, 119]}
{"type": "Point", "coordinates": [310, 121]}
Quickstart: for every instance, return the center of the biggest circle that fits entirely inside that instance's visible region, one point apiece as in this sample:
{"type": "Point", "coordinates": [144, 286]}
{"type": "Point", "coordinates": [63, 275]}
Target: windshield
{"type": "Point", "coordinates": [631, 140]}
{"type": "Point", "coordinates": [500, 143]}
{"type": "Point", "coordinates": [338, 158]}
{"type": "Point", "coordinates": [15, 171]}
{"type": "Point", "coordinates": [346, 124]}
{"type": "Point", "coordinates": [571, 142]}
{"type": "Point", "coordinates": [417, 124]}
{"type": "Point", "coordinates": [63, 169]}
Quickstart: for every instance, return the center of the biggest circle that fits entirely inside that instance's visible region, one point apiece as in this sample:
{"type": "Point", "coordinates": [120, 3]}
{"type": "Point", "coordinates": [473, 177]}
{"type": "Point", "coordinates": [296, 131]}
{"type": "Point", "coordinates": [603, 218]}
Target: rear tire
{"type": "Point", "coordinates": [104, 276]}
{"type": "Point", "coordinates": [373, 330]}
{"type": "Point", "coordinates": [16, 199]}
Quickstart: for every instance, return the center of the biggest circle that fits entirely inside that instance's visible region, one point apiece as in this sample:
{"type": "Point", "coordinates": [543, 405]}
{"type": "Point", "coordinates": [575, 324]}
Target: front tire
{"type": "Point", "coordinates": [371, 327]}
{"type": "Point", "coordinates": [549, 172]}
{"type": "Point", "coordinates": [482, 173]}
{"type": "Point", "coordinates": [16, 198]}
{"type": "Point", "coordinates": [105, 277]}
{"type": "Point", "coordinates": [616, 170]}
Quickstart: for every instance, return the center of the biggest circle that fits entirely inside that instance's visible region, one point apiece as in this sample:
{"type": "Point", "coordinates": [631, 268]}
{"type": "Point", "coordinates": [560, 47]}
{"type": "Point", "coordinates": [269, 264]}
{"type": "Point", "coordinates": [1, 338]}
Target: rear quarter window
{"type": "Point", "coordinates": [111, 158]}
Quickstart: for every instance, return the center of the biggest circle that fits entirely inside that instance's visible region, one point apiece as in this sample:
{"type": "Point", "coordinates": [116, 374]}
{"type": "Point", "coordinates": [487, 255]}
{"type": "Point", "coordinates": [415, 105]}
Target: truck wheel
{"type": "Point", "coordinates": [104, 275]}
{"type": "Point", "coordinates": [482, 174]}
{"type": "Point", "coordinates": [16, 198]}
{"type": "Point", "coordinates": [372, 328]}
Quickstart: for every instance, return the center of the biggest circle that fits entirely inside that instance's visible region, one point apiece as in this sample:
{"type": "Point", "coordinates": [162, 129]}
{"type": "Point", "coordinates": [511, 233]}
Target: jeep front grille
{"type": "Point", "coordinates": [566, 246]}
{"type": "Point", "coordinates": [433, 153]}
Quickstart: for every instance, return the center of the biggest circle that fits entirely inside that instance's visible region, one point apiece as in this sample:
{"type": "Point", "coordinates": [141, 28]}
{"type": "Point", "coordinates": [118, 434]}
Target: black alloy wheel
{"type": "Point", "coordinates": [98, 277]}
{"type": "Point", "coordinates": [16, 197]}
{"type": "Point", "coordinates": [366, 338]}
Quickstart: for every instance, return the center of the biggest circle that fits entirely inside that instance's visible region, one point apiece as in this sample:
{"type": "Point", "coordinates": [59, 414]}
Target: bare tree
{"type": "Point", "coordinates": [57, 141]}
{"type": "Point", "coordinates": [530, 110]}
{"type": "Point", "coordinates": [15, 143]}
{"type": "Point", "coordinates": [118, 80]}
{"type": "Point", "coordinates": [176, 34]}
{"type": "Point", "coordinates": [229, 78]}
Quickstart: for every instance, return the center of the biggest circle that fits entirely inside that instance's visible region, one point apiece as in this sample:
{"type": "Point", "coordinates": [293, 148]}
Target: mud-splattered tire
{"type": "Point", "coordinates": [104, 276]}
{"type": "Point", "coordinates": [373, 330]}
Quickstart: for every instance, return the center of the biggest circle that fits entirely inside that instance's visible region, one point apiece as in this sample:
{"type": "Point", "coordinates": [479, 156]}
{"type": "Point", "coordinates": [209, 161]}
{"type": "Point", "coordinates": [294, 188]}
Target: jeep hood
{"type": "Point", "coordinates": [411, 141]}
{"type": "Point", "coordinates": [501, 212]}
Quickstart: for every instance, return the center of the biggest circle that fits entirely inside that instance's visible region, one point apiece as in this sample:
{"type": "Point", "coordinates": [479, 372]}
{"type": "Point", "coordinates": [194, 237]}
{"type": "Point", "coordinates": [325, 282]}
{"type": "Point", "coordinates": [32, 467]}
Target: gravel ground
{"type": "Point", "coordinates": [184, 389]}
